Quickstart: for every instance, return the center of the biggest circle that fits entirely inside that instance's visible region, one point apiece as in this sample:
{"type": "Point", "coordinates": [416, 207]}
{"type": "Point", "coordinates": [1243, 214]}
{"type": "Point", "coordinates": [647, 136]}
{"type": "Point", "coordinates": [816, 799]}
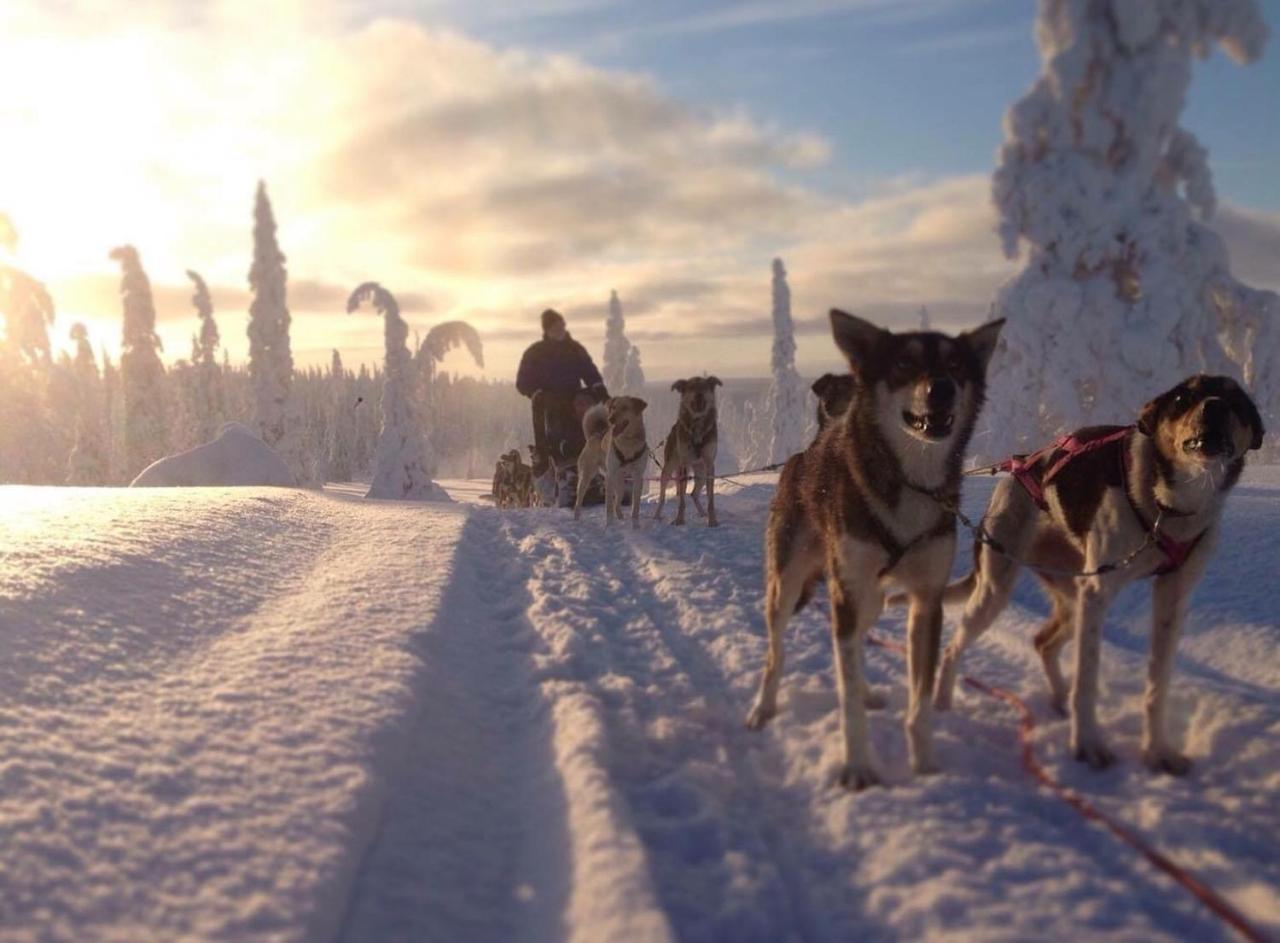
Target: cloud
{"type": "Point", "coordinates": [473, 182]}
{"type": "Point", "coordinates": [1253, 243]}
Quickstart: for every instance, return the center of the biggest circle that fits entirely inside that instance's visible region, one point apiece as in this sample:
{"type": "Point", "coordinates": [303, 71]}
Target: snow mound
{"type": "Point", "coordinates": [235, 458]}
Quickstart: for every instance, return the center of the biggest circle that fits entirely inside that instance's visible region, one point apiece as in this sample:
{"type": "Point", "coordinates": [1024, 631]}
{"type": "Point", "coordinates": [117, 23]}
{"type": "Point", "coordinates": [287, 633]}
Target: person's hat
{"type": "Point", "coordinates": [550, 318]}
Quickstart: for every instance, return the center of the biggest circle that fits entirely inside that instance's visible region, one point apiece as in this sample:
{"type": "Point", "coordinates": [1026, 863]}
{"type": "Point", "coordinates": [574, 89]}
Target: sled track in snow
{"type": "Point", "coordinates": [471, 841]}
{"type": "Point", "coordinates": [708, 820]}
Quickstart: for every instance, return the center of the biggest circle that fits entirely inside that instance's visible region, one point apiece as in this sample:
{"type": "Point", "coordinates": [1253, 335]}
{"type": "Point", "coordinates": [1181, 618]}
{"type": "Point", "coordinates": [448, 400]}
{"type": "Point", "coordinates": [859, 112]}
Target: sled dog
{"type": "Point", "coordinates": [616, 440]}
{"type": "Point", "coordinates": [504, 486]}
{"type": "Point", "coordinates": [691, 447]}
{"type": "Point", "coordinates": [865, 505]}
{"type": "Point", "coordinates": [834, 393]}
{"type": "Point", "coordinates": [1132, 501]}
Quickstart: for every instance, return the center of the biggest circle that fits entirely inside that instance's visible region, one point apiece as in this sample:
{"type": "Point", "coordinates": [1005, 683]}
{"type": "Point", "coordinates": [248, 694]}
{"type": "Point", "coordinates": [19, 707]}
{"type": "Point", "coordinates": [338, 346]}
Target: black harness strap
{"type": "Point", "coordinates": [628, 460]}
{"type": "Point", "coordinates": [697, 444]}
{"type": "Point", "coordinates": [898, 550]}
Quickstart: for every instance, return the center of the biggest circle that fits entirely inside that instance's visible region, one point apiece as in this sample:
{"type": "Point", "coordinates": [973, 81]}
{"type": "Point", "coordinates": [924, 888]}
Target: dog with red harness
{"type": "Point", "coordinates": [1093, 512]}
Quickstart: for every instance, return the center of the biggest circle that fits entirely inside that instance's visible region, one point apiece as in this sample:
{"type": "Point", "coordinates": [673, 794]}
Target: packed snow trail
{"type": "Point", "coordinates": [198, 691]}
{"type": "Point", "coordinates": [298, 716]}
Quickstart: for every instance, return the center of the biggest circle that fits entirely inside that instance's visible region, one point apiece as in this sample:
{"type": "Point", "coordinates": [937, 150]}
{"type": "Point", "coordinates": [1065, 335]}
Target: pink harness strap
{"type": "Point", "coordinates": [1025, 467]}
{"type": "Point", "coordinates": [1061, 451]}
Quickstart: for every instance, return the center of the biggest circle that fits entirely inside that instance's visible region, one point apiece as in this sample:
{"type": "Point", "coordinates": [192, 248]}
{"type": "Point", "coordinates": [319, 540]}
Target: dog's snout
{"type": "Point", "coordinates": [1213, 411]}
{"type": "Point", "coordinates": [940, 392]}
{"type": "Point", "coordinates": [699, 402]}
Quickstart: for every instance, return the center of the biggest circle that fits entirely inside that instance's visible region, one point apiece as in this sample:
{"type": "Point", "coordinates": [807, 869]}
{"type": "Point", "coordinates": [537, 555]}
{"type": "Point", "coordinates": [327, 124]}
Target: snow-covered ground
{"type": "Point", "coordinates": [269, 714]}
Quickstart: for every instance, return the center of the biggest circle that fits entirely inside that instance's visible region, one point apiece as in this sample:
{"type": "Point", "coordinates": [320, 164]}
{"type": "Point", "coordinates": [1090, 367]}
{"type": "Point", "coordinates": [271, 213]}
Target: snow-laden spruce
{"type": "Point", "coordinates": [270, 357]}
{"type": "Point", "coordinates": [441, 339]}
{"type": "Point", "coordinates": [1125, 291]}
{"type": "Point", "coordinates": [87, 464]}
{"type": "Point", "coordinates": [633, 375]}
{"type": "Point", "coordinates": [28, 311]}
{"type": "Point", "coordinates": [146, 435]}
{"type": "Point", "coordinates": [209, 407]}
{"type": "Point", "coordinates": [617, 348]}
{"type": "Point", "coordinates": [339, 464]}
{"type": "Point", "coordinates": [786, 407]}
{"type": "Point", "coordinates": [400, 462]}
{"type": "Point", "coordinates": [25, 303]}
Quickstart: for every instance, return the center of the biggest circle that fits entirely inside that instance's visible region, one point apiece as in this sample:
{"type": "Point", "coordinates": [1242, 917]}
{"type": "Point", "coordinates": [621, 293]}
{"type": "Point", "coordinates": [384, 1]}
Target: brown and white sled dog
{"type": "Point", "coordinates": [1149, 499]}
{"type": "Point", "coordinates": [616, 440]}
{"type": "Point", "coordinates": [863, 506]}
{"type": "Point", "coordinates": [691, 447]}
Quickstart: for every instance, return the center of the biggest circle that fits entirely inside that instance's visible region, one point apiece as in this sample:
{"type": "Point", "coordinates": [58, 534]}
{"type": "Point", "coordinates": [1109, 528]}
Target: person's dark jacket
{"type": "Point", "coordinates": [557, 367]}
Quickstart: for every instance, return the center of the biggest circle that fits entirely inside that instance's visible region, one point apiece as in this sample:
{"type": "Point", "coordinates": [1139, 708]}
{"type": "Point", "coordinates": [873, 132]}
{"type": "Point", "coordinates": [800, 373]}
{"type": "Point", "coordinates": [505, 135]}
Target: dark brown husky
{"type": "Point", "coordinates": [865, 506]}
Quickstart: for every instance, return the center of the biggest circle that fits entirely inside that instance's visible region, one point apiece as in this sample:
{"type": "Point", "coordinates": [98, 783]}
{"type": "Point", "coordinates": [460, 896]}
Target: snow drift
{"type": "Point", "coordinates": [236, 458]}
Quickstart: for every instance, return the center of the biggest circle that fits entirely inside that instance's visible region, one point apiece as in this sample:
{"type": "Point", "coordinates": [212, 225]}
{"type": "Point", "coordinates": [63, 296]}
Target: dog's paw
{"type": "Point", "coordinates": [678, 522]}
{"type": "Point", "coordinates": [759, 716]}
{"type": "Point", "coordinates": [1059, 705]}
{"type": "Point", "coordinates": [856, 778]}
{"type": "Point", "coordinates": [1094, 752]}
{"type": "Point", "coordinates": [1166, 761]}
{"type": "Point", "coordinates": [712, 522]}
{"type": "Point", "coordinates": [873, 700]}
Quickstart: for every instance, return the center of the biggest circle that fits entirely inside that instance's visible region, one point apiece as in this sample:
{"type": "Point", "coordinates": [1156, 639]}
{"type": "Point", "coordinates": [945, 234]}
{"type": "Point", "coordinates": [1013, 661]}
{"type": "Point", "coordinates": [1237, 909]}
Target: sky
{"type": "Point", "coordinates": [485, 161]}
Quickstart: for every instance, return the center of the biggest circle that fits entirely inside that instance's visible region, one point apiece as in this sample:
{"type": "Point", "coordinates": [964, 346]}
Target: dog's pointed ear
{"type": "Point", "coordinates": [855, 337]}
{"type": "Point", "coordinates": [678, 386]}
{"type": "Point", "coordinates": [639, 404]}
{"type": "Point", "coordinates": [713, 382]}
{"type": "Point", "coordinates": [1150, 413]}
{"type": "Point", "coordinates": [982, 340]}
{"type": "Point", "coordinates": [1243, 406]}
{"type": "Point", "coordinates": [821, 384]}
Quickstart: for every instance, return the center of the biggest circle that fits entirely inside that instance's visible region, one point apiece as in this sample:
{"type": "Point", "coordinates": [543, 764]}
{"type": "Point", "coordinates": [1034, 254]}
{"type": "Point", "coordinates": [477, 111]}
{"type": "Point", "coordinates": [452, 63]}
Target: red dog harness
{"type": "Point", "coordinates": [1036, 471]}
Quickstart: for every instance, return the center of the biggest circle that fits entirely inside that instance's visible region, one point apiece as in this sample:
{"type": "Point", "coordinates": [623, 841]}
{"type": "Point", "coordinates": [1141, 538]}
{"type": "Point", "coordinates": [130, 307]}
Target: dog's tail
{"type": "Point", "coordinates": [595, 423]}
{"type": "Point", "coordinates": [956, 592]}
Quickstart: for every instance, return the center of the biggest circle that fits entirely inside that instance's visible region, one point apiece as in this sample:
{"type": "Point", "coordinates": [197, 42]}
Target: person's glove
{"type": "Point", "coordinates": [598, 392]}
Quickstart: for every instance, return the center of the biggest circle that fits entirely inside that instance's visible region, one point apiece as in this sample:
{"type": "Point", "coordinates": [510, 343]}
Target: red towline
{"type": "Point", "coordinates": [1087, 810]}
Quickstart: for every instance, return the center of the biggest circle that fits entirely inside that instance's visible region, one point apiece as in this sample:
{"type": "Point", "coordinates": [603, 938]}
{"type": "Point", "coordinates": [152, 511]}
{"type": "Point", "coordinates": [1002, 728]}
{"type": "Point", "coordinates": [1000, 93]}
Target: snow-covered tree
{"type": "Point", "coordinates": [616, 346]}
{"type": "Point", "coordinates": [786, 394]}
{"type": "Point", "coordinates": [270, 358]}
{"type": "Point", "coordinates": [88, 464]}
{"type": "Point", "coordinates": [342, 425]}
{"type": "Point", "coordinates": [439, 341]}
{"type": "Point", "coordinates": [633, 375]}
{"type": "Point", "coordinates": [400, 462]}
{"type": "Point", "coordinates": [24, 302]}
{"type": "Point", "coordinates": [113, 416]}
{"type": "Point", "coordinates": [1125, 290]}
{"type": "Point", "coordinates": [145, 423]}
{"type": "Point", "coordinates": [926, 323]}
{"type": "Point", "coordinates": [208, 406]}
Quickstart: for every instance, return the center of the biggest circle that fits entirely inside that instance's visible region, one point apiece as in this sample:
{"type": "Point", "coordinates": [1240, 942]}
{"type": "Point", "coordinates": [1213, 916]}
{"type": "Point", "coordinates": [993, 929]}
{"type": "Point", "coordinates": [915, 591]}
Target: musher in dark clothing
{"type": "Point", "coordinates": [559, 376]}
